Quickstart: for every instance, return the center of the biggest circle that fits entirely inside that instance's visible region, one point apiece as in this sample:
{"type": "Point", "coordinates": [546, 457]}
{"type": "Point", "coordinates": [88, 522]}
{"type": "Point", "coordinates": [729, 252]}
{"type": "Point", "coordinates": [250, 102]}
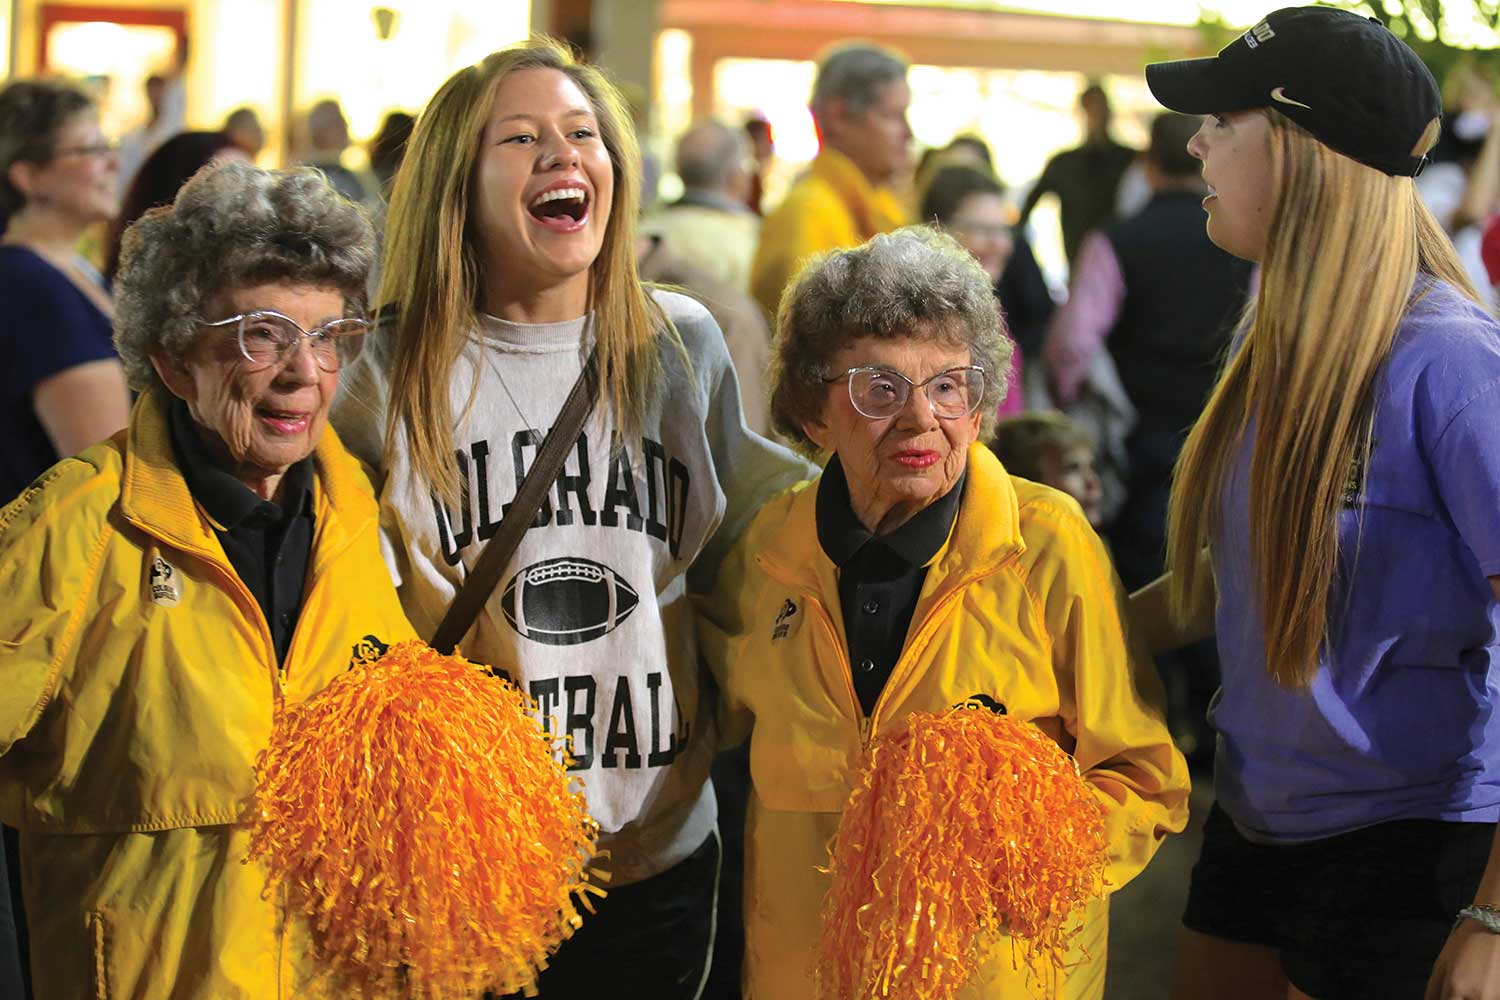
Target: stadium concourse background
{"type": "Point", "coordinates": [982, 66]}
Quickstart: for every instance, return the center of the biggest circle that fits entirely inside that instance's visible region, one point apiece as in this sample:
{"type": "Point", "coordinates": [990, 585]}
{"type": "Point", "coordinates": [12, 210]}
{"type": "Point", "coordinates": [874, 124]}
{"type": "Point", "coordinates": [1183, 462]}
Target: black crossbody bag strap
{"type": "Point", "coordinates": [484, 577]}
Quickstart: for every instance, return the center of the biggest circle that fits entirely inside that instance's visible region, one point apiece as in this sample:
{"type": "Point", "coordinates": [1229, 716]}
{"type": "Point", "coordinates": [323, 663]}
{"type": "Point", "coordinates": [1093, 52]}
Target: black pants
{"type": "Point", "coordinates": [1358, 916]}
{"type": "Point", "coordinates": [14, 983]}
{"type": "Point", "coordinates": [731, 774]}
{"type": "Point", "coordinates": [651, 940]}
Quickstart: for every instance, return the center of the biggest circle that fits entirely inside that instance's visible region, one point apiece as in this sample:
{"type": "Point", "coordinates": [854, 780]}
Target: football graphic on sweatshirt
{"type": "Point", "coordinates": [566, 601]}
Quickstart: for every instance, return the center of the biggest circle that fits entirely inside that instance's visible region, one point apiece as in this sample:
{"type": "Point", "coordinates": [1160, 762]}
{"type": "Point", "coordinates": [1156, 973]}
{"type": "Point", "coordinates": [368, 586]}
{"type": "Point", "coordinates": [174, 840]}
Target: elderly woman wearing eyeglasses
{"type": "Point", "coordinates": [916, 575]}
{"type": "Point", "coordinates": [168, 591]}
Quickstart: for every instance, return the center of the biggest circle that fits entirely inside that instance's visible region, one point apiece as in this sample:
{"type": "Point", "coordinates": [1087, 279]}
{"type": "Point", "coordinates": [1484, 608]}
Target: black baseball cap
{"type": "Point", "coordinates": [1344, 78]}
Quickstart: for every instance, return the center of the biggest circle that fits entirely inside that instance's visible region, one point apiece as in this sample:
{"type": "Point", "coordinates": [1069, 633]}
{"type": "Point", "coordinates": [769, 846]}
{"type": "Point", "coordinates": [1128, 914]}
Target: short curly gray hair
{"type": "Point", "coordinates": [915, 282]}
{"type": "Point", "coordinates": [232, 226]}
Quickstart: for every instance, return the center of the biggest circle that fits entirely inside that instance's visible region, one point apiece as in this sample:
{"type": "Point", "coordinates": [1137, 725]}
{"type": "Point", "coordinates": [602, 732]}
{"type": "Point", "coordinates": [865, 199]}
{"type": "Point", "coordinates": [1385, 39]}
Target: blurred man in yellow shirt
{"type": "Point", "coordinates": [859, 104]}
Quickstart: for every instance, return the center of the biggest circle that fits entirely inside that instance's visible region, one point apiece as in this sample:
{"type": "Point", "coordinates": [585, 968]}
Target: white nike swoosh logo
{"type": "Point", "coordinates": [1279, 94]}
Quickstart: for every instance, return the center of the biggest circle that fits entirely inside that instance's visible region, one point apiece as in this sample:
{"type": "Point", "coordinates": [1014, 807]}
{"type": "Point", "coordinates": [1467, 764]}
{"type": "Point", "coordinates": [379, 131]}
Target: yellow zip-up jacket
{"type": "Point", "coordinates": [830, 207]}
{"type": "Point", "coordinates": [137, 683]}
{"type": "Point", "coordinates": [1020, 606]}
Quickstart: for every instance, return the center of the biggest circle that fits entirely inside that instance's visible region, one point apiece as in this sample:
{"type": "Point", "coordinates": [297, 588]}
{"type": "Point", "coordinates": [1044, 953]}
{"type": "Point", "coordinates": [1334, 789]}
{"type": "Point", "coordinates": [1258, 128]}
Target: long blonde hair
{"type": "Point", "coordinates": [431, 278]}
{"type": "Point", "coordinates": [1345, 246]}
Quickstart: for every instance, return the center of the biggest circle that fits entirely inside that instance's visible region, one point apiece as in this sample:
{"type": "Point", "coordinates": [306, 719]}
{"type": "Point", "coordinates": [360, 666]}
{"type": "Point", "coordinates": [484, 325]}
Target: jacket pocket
{"type": "Point", "coordinates": [98, 936]}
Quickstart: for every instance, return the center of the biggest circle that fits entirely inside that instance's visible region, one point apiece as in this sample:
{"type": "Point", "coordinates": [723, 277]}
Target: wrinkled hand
{"type": "Point", "coordinates": [1469, 966]}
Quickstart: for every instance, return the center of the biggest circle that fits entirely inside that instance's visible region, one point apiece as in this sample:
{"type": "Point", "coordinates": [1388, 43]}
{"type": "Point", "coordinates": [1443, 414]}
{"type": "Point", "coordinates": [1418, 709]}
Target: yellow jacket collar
{"type": "Point", "coordinates": [875, 210]}
{"type": "Point", "coordinates": [985, 534]}
{"type": "Point", "coordinates": [155, 497]}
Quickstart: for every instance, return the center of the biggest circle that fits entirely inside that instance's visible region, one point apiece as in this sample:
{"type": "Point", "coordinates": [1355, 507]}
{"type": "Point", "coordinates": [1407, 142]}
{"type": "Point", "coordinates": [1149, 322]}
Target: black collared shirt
{"type": "Point", "coordinates": [880, 578]}
{"type": "Point", "coordinates": [268, 544]}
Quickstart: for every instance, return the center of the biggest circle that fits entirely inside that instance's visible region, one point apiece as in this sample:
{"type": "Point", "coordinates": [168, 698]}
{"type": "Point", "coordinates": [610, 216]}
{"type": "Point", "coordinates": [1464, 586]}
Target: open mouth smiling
{"type": "Point", "coordinates": [561, 207]}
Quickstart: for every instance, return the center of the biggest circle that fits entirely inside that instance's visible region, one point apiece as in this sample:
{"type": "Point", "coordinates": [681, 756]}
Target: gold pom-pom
{"type": "Point", "coordinates": [419, 820]}
{"type": "Point", "coordinates": [965, 825]}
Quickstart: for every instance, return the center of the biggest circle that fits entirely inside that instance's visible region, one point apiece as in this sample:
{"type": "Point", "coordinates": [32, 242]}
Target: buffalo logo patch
{"type": "Point", "coordinates": [366, 651]}
{"type": "Point", "coordinates": [567, 601]}
{"type": "Point", "coordinates": [978, 701]}
{"type": "Point", "coordinates": [165, 583]}
{"type": "Point", "coordinates": [787, 620]}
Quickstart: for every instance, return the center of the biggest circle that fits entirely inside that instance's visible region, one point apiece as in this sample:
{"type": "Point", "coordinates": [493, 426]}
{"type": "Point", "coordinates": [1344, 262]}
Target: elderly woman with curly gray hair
{"type": "Point", "coordinates": [168, 591]}
{"type": "Point", "coordinates": [915, 574]}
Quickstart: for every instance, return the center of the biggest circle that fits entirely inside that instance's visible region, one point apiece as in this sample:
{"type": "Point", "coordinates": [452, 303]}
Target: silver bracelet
{"type": "Point", "coordinates": [1483, 914]}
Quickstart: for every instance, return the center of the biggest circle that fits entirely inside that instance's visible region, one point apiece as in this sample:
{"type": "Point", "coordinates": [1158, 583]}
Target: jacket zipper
{"type": "Point", "coordinates": [248, 600]}
{"type": "Point", "coordinates": [846, 670]}
{"type": "Point", "coordinates": [904, 665]}
{"type": "Point", "coordinates": [869, 723]}
{"type": "Point", "coordinates": [317, 576]}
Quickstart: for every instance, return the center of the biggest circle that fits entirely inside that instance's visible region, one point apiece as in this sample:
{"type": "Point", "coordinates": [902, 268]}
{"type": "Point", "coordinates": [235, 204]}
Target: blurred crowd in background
{"type": "Point", "coordinates": [1119, 307]}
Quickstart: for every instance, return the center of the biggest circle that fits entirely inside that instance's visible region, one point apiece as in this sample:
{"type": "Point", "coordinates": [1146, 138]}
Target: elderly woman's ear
{"type": "Point", "coordinates": [173, 374]}
{"type": "Point", "coordinates": [817, 432]}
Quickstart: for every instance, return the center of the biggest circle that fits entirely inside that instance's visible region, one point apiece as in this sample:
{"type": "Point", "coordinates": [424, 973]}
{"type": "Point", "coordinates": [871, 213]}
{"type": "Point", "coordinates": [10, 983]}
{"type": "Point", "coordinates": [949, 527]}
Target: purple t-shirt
{"type": "Point", "coordinates": [1400, 720]}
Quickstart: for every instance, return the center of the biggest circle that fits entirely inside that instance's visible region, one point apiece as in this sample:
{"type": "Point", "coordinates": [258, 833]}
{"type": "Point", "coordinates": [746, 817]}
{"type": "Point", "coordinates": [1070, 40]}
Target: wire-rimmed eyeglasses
{"type": "Point", "coordinates": [266, 337]}
{"type": "Point", "coordinates": [878, 393]}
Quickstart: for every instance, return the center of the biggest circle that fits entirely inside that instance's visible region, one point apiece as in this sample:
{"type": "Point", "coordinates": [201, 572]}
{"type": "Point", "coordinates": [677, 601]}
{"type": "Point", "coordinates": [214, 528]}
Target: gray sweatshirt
{"type": "Point", "coordinates": [592, 616]}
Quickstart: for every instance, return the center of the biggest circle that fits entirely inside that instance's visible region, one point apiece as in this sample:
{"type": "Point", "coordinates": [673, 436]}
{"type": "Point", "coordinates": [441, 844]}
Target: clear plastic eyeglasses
{"type": "Point", "coordinates": [878, 393]}
{"type": "Point", "coordinates": [266, 337]}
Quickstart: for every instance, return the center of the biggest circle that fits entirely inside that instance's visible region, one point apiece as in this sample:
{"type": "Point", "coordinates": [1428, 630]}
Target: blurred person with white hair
{"type": "Point", "coordinates": [711, 225]}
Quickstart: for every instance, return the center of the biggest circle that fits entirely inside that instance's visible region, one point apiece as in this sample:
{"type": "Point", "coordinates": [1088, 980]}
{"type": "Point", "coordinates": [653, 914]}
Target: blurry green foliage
{"type": "Point", "coordinates": [1420, 23]}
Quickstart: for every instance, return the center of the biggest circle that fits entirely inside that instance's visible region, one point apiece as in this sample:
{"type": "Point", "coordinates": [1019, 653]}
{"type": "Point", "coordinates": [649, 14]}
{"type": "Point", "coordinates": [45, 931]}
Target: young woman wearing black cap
{"type": "Point", "coordinates": [1336, 522]}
